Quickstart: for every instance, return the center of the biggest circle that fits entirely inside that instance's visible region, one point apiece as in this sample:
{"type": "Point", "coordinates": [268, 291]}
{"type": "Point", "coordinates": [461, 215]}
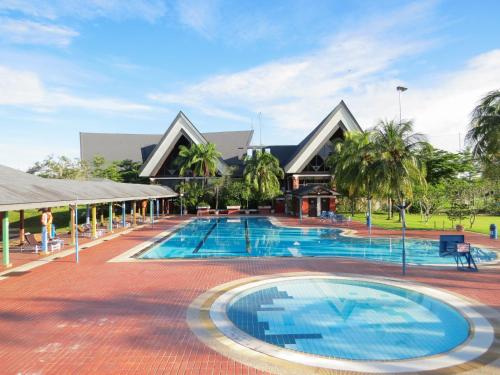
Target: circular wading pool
{"type": "Point", "coordinates": [349, 319]}
{"type": "Point", "coordinates": [349, 323]}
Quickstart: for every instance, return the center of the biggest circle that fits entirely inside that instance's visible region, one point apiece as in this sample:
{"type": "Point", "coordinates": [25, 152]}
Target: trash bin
{"type": "Point", "coordinates": [493, 232]}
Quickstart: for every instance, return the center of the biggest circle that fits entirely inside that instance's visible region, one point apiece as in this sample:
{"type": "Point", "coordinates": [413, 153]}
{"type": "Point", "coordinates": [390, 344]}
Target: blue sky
{"type": "Point", "coordinates": [129, 66]}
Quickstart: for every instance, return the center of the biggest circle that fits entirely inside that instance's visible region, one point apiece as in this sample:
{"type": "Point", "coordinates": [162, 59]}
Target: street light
{"type": "Point", "coordinates": [402, 207]}
{"type": "Point", "coordinates": [182, 210]}
{"type": "Point", "coordinates": [400, 90]}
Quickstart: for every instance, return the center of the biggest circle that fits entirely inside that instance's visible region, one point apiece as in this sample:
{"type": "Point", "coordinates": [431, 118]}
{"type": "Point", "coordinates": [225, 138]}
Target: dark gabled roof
{"type": "Point", "coordinates": [232, 145]}
{"type": "Point", "coordinates": [114, 146]}
{"type": "Point", "coordinates": [313, 189]}
{"type": "Point", "coordinates": [138, 147]}
{"type": "Point", "coordinates": [283, 152]}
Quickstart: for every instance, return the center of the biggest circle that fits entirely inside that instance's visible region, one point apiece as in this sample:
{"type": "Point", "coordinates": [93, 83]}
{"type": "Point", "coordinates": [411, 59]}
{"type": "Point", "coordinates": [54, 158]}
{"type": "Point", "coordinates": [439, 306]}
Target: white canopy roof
{"type": "Point", "coordinates": [19, 191]}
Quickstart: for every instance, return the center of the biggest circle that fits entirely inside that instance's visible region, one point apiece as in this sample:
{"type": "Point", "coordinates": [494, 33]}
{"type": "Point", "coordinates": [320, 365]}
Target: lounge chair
{"type": "Point", "coordinates": [85, 230]}
{"type": "Point", "coordinates": [37, 246]}
{"type": "Point", "coordinates": [454, 245]}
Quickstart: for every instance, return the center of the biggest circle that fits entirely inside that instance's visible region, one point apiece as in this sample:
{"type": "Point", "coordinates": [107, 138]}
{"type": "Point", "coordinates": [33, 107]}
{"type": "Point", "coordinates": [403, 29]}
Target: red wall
{"type": "Point", "coordinates": [305, 207]}
{"type": "Point", "coordinates": [333, 204]}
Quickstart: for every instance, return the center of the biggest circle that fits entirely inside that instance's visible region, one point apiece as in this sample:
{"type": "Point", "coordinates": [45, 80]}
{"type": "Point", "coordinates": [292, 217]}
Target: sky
{"type": "Point", "coordinates": [69, 66]}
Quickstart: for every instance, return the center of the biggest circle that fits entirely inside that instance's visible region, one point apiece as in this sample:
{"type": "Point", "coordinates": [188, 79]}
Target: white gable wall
{"type": "Point", "coordinates": [340, 119]}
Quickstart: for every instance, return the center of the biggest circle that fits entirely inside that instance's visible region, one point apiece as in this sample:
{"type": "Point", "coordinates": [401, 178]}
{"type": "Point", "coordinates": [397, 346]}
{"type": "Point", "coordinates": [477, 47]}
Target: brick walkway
{"type": "Point", "coordinates": [129, 318]}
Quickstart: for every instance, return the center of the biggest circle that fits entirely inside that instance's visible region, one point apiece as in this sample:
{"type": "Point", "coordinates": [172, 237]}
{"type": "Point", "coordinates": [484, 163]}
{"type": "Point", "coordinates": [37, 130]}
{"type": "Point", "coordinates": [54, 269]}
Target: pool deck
{"type": "Point", "coordinates": [99, 317]}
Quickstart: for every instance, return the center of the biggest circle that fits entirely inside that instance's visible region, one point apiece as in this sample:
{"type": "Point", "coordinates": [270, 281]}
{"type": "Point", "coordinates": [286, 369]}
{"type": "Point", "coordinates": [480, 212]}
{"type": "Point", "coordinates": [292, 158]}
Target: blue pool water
{"type": "Point", "coordinates": [258, 237]}
{"type": "Point", "coordinates": [348, 319]}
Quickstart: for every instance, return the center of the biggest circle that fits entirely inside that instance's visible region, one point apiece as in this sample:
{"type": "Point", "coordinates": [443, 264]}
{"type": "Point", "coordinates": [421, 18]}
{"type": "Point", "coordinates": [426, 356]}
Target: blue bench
{"type": "Point", "coordinates": [454, 245]}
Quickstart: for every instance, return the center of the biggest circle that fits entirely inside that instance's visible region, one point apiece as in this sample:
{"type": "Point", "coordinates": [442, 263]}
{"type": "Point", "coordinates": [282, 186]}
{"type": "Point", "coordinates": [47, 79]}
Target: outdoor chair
{"type": "Point", "coordinates": [454, 245]}
{"type": "Point", "coordinates": [324, 215]}
{"type": "Point", "coordinates": [84, 230]}
{"type": "Point", "coordinates": [33, 244]}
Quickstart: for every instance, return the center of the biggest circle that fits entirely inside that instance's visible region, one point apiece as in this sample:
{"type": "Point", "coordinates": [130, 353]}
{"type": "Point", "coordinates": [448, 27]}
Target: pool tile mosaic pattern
{"type": "Point", "coordinates": [348, 319]}
{"type": "Point", "coordinates": [258, 237]}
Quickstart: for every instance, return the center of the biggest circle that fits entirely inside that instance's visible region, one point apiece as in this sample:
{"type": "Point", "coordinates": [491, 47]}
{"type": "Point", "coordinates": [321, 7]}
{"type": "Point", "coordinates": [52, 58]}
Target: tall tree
{"type": "Point", "coordinates": [61, 167]}
{"type": "Point", "coordinates": [356, 166]}
{"type": "Point", "coordinates": [484, 133]}
{"type": "Point", "coordinates": [263, 173]}
{"type": "Point", "coordinates": [484, 128]}
{"type": "Point", "coordinates": [200, 159]}
{"type": "Point", "coordinates": [397, 146]}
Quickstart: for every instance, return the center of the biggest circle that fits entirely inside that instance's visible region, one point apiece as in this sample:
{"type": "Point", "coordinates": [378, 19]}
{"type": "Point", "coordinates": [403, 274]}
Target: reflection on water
{"type": "Point", "coordinates": [258, 237]}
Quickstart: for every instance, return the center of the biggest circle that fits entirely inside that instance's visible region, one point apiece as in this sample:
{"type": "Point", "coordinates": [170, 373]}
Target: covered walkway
{"type": "Point", "coordinates": [20, 191]}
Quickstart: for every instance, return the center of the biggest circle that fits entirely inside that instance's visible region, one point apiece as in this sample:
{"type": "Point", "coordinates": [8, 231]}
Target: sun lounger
{"type": "Point", "coordinates": [455, 246]}
{"type": "Point", "coordinates": [33, 244]}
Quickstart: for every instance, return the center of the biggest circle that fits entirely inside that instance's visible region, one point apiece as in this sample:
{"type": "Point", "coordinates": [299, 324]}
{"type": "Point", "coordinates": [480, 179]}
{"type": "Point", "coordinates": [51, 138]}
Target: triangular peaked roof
{"type": "Point", "coordinates": [181, 126]}
{"type": "Point", "coordinates": [340, 117]}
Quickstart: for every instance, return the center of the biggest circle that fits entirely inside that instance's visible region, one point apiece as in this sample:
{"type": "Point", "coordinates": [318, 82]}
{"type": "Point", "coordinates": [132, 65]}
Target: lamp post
{"type": "Point", "coordinates": [182, 208]}
{"type": "Point", "coordinates": [400, 90]}
{"type": "Point", "coordinates": [402, 207]}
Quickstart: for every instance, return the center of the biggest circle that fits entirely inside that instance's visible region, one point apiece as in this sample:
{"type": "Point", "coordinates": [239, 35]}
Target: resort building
{"type": "Point", "coordinates": [307, 179]}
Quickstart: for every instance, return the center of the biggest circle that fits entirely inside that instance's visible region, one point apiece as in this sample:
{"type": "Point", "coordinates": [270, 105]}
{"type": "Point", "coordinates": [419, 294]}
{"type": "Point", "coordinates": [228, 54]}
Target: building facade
{"type": "Point", "coordinates": [304, 164]}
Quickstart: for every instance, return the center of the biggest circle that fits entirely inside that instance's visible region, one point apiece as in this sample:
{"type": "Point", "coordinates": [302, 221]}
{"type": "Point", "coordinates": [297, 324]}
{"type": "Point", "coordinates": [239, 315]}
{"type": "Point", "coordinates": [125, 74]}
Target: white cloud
{"type": "Point", "coordinates": [149, 10]}
{"type": "Point", "coordinates": [360, 67]}
{"type": "Point", "coordinates": [200, 15]}
{"type": "Point", "coordinates": [296, 93]}
{"type": "Point", "coordinates": [30, 32]}
{"type": "Point", "coordinates": [24, 88]}
{"type": "Point", "coordinates": [440, 107]}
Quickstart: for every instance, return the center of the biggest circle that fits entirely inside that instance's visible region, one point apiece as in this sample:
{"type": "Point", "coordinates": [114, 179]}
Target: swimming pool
{"type": "Point", "coordinates": [259, 237]}
{"type": "Point", "coordinates": [348, 319]}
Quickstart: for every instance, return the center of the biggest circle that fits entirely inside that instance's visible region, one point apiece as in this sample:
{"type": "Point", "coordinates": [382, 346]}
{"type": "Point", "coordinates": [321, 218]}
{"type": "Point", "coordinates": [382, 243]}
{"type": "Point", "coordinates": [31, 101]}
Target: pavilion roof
{"type": "Point", "coordinates": [20, 190]}
{"type": "Point", "coordinates": [314, 189]}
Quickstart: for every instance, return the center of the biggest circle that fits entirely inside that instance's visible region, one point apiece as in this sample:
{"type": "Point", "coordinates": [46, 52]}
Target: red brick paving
{"type": "Point", "coordinates": [18, 257]}
{"type": "Point", "coordinates": [129, 318]}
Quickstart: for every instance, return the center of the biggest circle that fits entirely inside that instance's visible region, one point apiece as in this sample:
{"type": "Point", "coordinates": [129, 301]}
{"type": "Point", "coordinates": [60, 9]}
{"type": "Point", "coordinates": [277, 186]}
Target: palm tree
{"type": "Point", "coordinates": [263, 173]}
{"type": "Point", "coordinates": [397, 146]}
{"type": "Point", "coordinates": [356, 166]}
{"type": "Point", "coordinates": [200, 159]}
{"type": "Point", "coordinates": [484, 129]}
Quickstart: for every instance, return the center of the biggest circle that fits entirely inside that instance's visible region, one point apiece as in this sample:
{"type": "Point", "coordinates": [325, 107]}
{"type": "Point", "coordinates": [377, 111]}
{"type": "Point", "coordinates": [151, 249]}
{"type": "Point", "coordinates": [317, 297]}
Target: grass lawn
{"type": "Point", "coordinates": [60, 214]}
{"type": "Point", "coordinates": [413, 221]}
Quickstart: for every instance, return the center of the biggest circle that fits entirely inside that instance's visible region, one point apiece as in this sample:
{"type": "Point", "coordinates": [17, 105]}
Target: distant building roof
{"type": "Point", "coordinates": [283, 152]}
{"type": "Point", "coordinates": [113, 146]}
{"type": "Point", "coordinates": [138, 147]}
{"type": "Point", "coordinates": [20, 190]}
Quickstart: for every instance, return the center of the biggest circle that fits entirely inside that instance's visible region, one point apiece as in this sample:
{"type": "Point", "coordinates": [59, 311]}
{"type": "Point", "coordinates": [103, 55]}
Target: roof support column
{"type": "Point", "coordinates": [71, 224]}
{"type": "Point", "coordinates": [300, 208]}
{"type": "Point", "coordinates": [144, 205]}
{"type": "Point", "coordinates": [157, 208]}
{"type": "Point", "coordinates": [124, 214]}
{"type": "Point", "coordinates": [87, 216]}
{"type": "Point", "coordinates": [77, 255]}
{"type": "Point", "coordinates": [110, 217]}
{"type": "Point", "coordinates": [5, 240]}
{"type": "Point", "coordinates": [21, 227]}
{"type": "Point", "coordinates": [94, 221]}
{"type": "Point", "coordinates": [151, 203]}
{"type": "Point", "coordinates": [134, 217]}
